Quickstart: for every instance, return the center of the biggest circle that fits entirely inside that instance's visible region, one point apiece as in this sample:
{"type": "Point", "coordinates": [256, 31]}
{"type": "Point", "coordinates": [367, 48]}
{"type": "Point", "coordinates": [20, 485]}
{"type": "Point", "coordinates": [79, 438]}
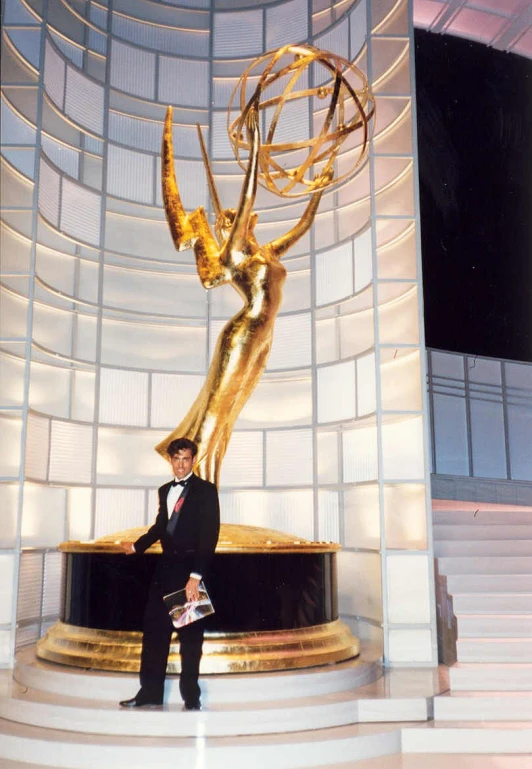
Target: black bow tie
{"type": "Point", "coordinates": [179, 483]}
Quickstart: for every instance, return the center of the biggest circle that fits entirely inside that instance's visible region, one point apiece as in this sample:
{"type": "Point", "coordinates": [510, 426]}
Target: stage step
{"type": "Point", "coordinates": [484, 547]}
{"type": "Point", "coordinates": [485, 565]}
{"type": "Point", "coordinates": [481, 531]}
{"type": "Point", "coordinates": [488, 706]}
{"type": "Point", "coordinates": [493, 603]}
{"type": "Point", "coordinates": [494, 649]}
{"type": "Point", "coordinates": [244, 687]}
{"type": "Point", "coordinates": [468, 737]}
{"type": "Point", "coordinates": [489, 583]}
{"type": "Point", "coordinates": [491, 677]}
{"type": "Point", "coordinates": [494, 626]}
{"type": "Point", "coordinates": [477, 517]}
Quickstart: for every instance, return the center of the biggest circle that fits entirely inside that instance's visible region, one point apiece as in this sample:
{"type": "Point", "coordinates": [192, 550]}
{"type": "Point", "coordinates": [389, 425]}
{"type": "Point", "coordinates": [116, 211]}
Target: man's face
{"type": "Point", "coordinates": [182, 463]}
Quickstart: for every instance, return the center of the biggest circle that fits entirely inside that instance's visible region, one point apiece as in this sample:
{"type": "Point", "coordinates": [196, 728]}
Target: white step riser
{"type": "Point", "coordinates": [489, 583]}
{"type": "Point", "coordinates": [468, 532]}
{"type": "Point", "coordinates": [495, 548]}
{"type": "Point", "coordinates": [491, 678]}
{"type": "Point", "coordinates": [492, 603]}
{"type": "Point", "coordinates": [467, 740]}
{"type": "Point", "coordinates": [483, 517]}
{"type": "Point", "coordinates": [510, 626]}
{"type": "Point", "coordinates": [485, 565]}
{"type": "Point", "coordinates": [480, 650]}
{"type": "Point", "coordinates": [300, 752]}
{"type": "Point", "coordinates": [494, 707]}
{"type": "Point", "coordinates": [112, 687]}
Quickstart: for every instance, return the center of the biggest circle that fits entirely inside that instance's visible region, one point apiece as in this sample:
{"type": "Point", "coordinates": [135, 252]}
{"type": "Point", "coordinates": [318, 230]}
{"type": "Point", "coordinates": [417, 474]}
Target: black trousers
{"type": "Point", "coordinates": [158, 631]}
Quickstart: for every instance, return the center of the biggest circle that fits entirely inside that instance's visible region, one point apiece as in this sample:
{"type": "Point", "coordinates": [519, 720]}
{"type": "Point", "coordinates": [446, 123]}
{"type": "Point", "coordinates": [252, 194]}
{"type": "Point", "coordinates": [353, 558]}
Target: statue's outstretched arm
{"type": "Point", "coordinates": [238, 237]}
{"type": "Point", "coordinates": [182, 231]}
{"type": "Point", "coordinates": [281, 245]}
{"type": "Point", "coordinates": [188, 231]}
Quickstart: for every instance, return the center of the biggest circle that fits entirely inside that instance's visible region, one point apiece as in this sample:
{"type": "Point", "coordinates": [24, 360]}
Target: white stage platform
{"type": "Point", "coordinates": [346, 715]}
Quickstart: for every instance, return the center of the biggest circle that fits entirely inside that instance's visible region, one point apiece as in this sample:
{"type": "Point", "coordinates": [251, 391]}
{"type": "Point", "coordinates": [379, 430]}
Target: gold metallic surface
{"type": "Point", "coordinates": [222, 652]}
{"type": "Point", "coordinates": [232, 253]}
{"type": "Point", "coordinates": [285, 165]}
{"type": "Point", "coordinates": [234, 538]}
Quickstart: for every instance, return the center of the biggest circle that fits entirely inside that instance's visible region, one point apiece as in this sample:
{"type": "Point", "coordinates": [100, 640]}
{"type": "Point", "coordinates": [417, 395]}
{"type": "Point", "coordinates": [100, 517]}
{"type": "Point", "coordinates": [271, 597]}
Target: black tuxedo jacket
{"type": "Point", "coordinates": [192, 545]}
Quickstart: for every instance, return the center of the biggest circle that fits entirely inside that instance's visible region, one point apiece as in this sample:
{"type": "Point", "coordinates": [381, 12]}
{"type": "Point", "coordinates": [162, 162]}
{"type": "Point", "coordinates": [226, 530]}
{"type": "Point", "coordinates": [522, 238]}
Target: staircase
{"type": "Point", "coordinates": [484, 596]}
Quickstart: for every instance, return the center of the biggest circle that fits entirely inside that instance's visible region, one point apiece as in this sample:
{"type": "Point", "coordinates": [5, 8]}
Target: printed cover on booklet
{"type": "Point", "coordinates": [183, 612]}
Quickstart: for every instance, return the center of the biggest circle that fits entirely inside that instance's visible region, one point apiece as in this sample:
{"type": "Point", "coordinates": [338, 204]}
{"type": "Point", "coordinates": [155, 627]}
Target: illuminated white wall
{"type": "Point", "coordinates": [107, 331]}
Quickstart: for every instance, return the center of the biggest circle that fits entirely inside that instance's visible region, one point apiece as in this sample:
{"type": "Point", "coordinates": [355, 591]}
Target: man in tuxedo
{"type": "Point", "coordinates": [187, 527]}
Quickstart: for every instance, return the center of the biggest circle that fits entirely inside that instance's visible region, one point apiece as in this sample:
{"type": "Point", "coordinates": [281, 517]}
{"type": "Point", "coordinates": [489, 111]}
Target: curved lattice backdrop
{"type": "Point", "coordinates": [107, 332]}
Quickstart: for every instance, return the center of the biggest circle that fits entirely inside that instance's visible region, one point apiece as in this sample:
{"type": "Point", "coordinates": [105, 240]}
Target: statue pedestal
{"type": "Point", "coordinates": [275, 599]}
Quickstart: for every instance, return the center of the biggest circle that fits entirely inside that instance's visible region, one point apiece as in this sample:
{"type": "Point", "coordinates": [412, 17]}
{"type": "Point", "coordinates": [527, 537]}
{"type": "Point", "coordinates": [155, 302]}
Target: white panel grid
{"type": "Point", "coordinates": [79, 513]}
{"type": "Point", "coordinates": [7, 581]}
{"type": "Point", "coordinates": [126, 457]}
{"type": "Point", "coordinates": [171, 397]}
{"type": "Point", "coordinates": [362, 527]}
{"type": "Point", "coordinates": [410, 645]}
{"type": "Point", "coordinates": [366, 385]}
{"type": "Point", "coordinates": [221, 147]}
{"type": "Point", "coordinates": [357, 333]}
{"type": "Point", "coordinates": [71, 51]}
{"type": "Point", "coordinates": [328, 516]}
{"type": "Point", "coordinates": [401, 383]}
{"type": "Point", "coordinates": [132, 70]}
{"type": "Point", "coordinates": [85, 339]}
{"type": "Point", "coordinates": [14, 130]}
{"type": "Point", "coordinates": [49, 186]}
{"type": "Point", "coordinates": [9, 497]}
{"type": "Point", "coordinates": [130, 174]}
{"type": "Point", "coordinates": [282, 20]}
{"type": "Point", "coordinates": [11, 380]}
{"type": "Point", "coordinates": [53, 328]}
{"type": "Point", "coordinates": [334, 274]}
{"type": "Point", "coordinates": [16, 13]}
{"type": "Point", "coordinates": [405, 516]}
{"type": "Point", "coordinates": [80, 212]}
{"type": "Point", "coordinates": [403, 450]}
{"type": "Point", "coordinates": [360, 461]}
{"type": "Point", "coordinates": [291, 346]}
{"type": "Point", "coordinates": [236, 35]}
{"type": "Point", "coordinates": [359, 585]}
{"type": "Point", "coordinates": [56, 269]}
{"type": "Point", "coordinates": [293, 123]}
{"type": "Point", "coordinates": [277, 403]}
{"type": "Point", "coordinates": [50, 390]}
{"type": "Point", "coordinates": [71, 452]}
{"type": "Point", "coordinates": [117, 510]}
{"type": "Point", "coordinates": [399, 320]}
{"type": "Point", "coordinates": [357, 29]}
{"type": "Point", "coordinates": [84, 100]}
{"type": "Point", "coordinates": [288, 511]}
{"type": "Point", "coordinates": [30, 586]}
{"type": "Point", "coordinates": [363, 260]}
{"type": "Point", "coordinates": [243, 461]}
{"type": "Point", "coordinates": [408, 588]}
{"type": "Point", "coordinates": [192, 183]}
{"type": "Point", "coordinates": [327, 346]}
{"type": "Point", "coordinates": [37, 447]}
{"type": "Point", "coordinates": [51, 601]}
{"type": "Point", "coordinates": [327, 447]}
{"type": "Point", "coordinates": [135, 132]}
{"type": "Point", "coordinates": [138, 345]}
{"type": "Point", "coordinates": [336, 39]}
{"type": "Point", "coordinates": [123, 397]}
{"type": "Point", "coordinates": [289, 458]}
{"type": "Point", "coordinates": [175, 77]}
{"type": "Point", "coordinates": [336, 392]}
{"type": "Point", "coordinates": [162, 37]}
{"type": "Point", "coordinates": [54, 75]}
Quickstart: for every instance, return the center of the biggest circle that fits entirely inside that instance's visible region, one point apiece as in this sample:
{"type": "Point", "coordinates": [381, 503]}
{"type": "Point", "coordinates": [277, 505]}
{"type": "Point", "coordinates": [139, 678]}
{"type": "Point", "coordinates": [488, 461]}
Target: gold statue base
{"type": "Point", "coordinates": [222, 652]}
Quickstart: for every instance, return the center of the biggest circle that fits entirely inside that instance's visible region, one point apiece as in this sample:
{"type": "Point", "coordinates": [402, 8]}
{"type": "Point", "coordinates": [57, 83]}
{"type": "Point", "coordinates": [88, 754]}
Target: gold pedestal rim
{"type": "Point", "coordinates": [258, 651]}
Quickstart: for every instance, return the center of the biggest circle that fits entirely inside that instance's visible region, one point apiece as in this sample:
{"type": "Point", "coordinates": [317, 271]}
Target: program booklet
{"type": "Point", "coordinates": [183, 612]}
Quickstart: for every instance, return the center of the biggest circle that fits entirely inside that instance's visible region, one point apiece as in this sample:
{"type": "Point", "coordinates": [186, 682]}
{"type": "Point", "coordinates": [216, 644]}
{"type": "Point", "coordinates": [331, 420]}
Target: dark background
{"type": "Point", "coordinates": [474, 109]}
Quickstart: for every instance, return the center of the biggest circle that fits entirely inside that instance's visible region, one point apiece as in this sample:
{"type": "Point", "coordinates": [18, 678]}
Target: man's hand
{"type": "Point", "coordinates": [192, 589]}
{"type": "Point", "coordinates": [127, 547]}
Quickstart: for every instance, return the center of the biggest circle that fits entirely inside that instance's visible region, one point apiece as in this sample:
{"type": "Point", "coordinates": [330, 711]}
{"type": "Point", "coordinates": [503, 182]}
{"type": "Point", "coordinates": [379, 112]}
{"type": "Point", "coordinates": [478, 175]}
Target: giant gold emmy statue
{"type": "Point", "coordinates": [232, 253]}
{"type": "Point", "coordinates": [286, 612]}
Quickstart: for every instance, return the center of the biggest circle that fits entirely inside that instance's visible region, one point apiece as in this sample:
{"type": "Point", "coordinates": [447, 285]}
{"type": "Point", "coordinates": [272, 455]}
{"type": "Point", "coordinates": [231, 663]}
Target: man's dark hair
{"type": "Point", "coordinates": [180, 444]}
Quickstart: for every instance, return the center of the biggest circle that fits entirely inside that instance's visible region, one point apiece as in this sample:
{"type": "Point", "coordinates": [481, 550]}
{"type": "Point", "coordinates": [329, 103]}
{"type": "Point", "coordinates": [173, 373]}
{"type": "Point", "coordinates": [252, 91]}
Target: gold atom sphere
{"type": "Point", "coordinates": [300, 136]}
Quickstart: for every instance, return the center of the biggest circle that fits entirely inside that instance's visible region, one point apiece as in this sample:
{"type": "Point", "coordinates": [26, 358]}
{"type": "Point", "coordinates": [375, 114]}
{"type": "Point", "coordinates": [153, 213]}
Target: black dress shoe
{"type": "Point", "coordinates": [140, 702]}
{"type": "Point", "coordinates": [192, 705]}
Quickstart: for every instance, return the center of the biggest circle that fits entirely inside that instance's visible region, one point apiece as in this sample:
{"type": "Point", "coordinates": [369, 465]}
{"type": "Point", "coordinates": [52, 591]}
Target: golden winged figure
{"type": "Point", "coordinates": [231, 255]}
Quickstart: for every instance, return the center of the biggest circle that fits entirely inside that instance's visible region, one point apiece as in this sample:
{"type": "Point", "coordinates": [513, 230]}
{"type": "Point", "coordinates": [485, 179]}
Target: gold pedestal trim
{"type": "Point", "coordinates": [222, 652]}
